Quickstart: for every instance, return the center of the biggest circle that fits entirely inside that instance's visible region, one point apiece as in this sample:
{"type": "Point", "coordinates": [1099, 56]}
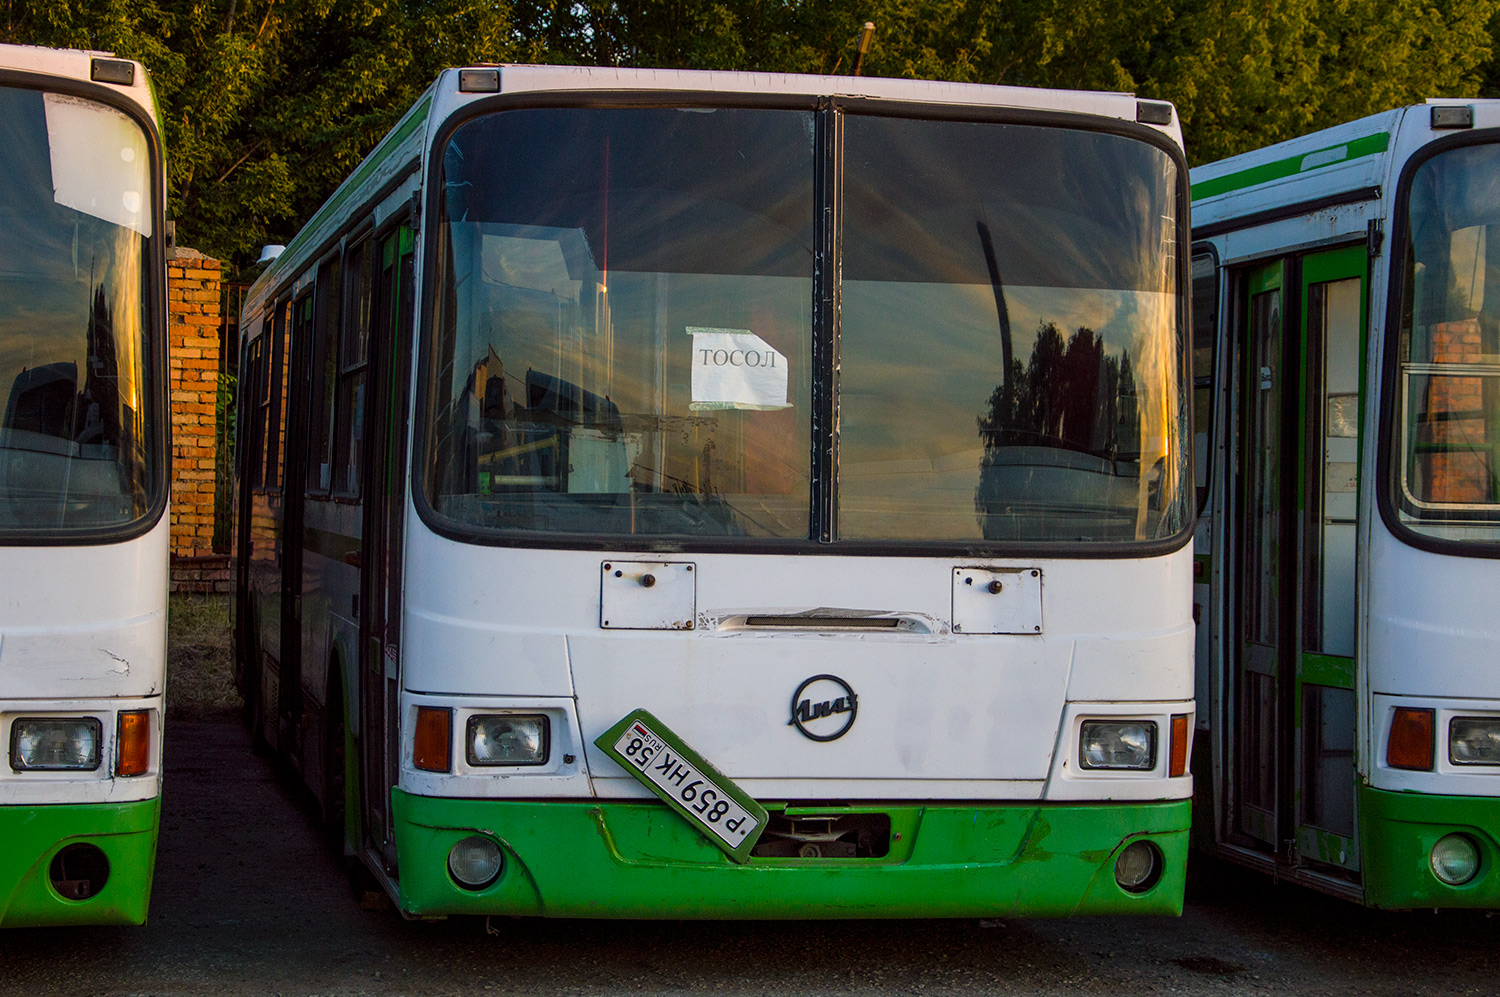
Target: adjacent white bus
{"type": "Point", "coordinates": [1347, 558]}
{"type": "Point", "coordinates": [676, 494]}
{"type": "Point", "coordinates": [83, 487]}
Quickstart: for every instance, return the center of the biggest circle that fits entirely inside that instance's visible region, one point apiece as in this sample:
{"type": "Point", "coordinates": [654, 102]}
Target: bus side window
{"type": "Point", "coordinates": [255, 456]}
{"type": "Point", "coordinates": [275, 404]}
{"type": "Point", "coordinates": [1205, 338]}
{"type": "Point", "coordinates": [352, 363]}
{"type": "Point", "coordinates": [320, 425]}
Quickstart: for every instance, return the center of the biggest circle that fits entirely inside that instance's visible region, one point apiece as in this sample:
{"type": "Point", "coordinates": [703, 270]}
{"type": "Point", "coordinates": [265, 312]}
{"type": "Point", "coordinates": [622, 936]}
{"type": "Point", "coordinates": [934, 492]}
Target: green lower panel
{"type": "Point", "coordinates": [641, 860]}
{"type": "Point", "coordinates": [1397, 832]}
{"type": "Point", "coordinates": [33, 835]}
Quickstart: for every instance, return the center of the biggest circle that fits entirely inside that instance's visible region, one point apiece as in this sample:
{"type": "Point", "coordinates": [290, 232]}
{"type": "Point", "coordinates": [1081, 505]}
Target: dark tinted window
{"type": "Point", "coordinates": [1010, 362]}
{"type": "Point", "coordinates": [1447, 472]}
{"type": "Point", "coordinates": [77, 416]}
{"type": "Point", "coordinates": [624, 340]}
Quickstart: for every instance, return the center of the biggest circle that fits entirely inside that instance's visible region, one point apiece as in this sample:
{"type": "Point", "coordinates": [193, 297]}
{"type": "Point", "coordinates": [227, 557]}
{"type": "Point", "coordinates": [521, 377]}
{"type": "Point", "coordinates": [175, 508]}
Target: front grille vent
{"type": "Point", "coordinates": [825, 836]}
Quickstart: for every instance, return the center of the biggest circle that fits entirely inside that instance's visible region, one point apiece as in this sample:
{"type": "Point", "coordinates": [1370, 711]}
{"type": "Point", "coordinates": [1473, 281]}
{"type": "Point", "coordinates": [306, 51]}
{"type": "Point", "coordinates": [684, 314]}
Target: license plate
{"type": "Point", "coordinates": [715, 807]}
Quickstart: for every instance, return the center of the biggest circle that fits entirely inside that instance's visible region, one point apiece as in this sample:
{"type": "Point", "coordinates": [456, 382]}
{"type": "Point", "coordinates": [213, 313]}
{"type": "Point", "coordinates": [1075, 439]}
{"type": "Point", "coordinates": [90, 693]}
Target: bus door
{"type": "Point", "coordinates": [252, 360]}
{"type": "Point", "coordinates": [1334, 289]}
{"type": "Point", "coordinates": [1264, 540]}
{"type": "Point", "coordinates": [385, 491]}
{"type": "Point", "coordinates": [1293, 606]}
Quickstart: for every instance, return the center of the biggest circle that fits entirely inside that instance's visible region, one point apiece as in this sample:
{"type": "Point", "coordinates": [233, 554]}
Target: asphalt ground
{"type": "Point", "coordinates": [249, 900]}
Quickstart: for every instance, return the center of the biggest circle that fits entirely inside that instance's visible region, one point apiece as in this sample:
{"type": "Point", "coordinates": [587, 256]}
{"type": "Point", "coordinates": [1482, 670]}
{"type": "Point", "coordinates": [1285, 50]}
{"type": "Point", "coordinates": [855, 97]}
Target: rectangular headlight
{"type": "Point", "coordinates": [51, 744]}
{"type": "Point", "coordinates": [508, 739]}
{"type": "Point", "coordinates": [1474, 740]}
{"type": "Point", "coordinates": [1118, 744]}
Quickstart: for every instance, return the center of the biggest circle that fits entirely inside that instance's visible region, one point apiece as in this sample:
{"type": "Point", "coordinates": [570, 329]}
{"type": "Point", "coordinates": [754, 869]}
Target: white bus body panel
{"type": "Point", "coordinates": [83, 633]}
{"type": "Point", "coordinates": [1108, 639]}
{"type": "Point", "coordinates": [73, 64]}
{"type": "Point", "coordinates": [563, 79]}
{"type": "Point", "coordinates": [81, 622]}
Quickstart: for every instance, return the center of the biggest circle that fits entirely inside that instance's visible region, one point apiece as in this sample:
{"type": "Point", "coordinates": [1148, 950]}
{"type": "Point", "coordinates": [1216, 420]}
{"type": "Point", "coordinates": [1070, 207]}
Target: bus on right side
{"type": "Point", "coordinates": [1347, 556]}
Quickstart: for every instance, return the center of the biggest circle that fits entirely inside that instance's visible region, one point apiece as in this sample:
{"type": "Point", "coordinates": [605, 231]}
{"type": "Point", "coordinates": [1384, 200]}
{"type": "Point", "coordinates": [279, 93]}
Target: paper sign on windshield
{"type": "Point", "coordinates": [736, 369]}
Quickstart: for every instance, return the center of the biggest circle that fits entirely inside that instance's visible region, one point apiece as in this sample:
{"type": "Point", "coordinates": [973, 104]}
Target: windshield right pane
{"type": "Point", "coordinates": [1011, 359]}
{"type": "Point", "coordinates": [1448, 385]}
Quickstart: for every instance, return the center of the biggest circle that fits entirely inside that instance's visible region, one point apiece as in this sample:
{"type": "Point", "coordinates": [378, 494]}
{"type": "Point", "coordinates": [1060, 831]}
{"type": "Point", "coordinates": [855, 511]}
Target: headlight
{"type": "Point", "coordinates": [1138, 867]}
{"type": "Point", "coordinates": [475, 862]}
{"type": "Point", "coordinates": [1474, 740]}
{"type": "Point", "coordinates": [508, 739]}
{"type": "Point", "coordinates": [55, 744]}
{"type": "Point", "coordinates": [1118, 744]}
{"type": "Point", "coordinates": [1454, 859]}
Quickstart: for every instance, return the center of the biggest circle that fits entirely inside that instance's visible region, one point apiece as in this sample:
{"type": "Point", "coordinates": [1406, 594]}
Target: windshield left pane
{"type": "Point", "coordinates": [76, 426]}
{"type": "Point", "coordinates": [624, 336]}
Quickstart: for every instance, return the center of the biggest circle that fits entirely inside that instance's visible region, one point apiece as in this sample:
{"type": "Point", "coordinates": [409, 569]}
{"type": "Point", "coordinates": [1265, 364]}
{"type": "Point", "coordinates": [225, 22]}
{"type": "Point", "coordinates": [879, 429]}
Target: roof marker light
{"type": "Point", "coordinates": [479, 81]}
{"type": "Point", "coordinates": [1153, 112]}
{"type": "Point", "coordinates": [118, 71]}
{"type": "Point", "coordinates": [1452, 117]}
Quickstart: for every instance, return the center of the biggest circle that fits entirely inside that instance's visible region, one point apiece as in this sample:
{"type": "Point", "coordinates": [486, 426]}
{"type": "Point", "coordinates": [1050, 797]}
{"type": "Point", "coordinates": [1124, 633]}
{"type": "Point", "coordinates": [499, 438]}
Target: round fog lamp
{"type": "Point", "coordinates": [1138, 867]}
{"type": "Point", "coordinates": [475, 862]}
{"type": "Point", "coordinates": [1455, 860]}
{"type": "Point", "coordinates": [79, 871]}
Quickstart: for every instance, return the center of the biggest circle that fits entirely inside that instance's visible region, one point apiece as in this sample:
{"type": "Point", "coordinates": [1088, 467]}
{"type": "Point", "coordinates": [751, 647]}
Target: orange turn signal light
{"type": "Point", "coordinates": [432, 742]}
{"type": "Point", "coordinates": [133, 742]}
{"type": "Point", "coordinates": [1410, 743]}
{"type": "Point", "coordinates": [1182, 736]}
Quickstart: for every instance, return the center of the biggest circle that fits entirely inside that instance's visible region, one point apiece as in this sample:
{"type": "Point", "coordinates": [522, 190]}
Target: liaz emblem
{"type": "Point", "coordinates": [823, 708]}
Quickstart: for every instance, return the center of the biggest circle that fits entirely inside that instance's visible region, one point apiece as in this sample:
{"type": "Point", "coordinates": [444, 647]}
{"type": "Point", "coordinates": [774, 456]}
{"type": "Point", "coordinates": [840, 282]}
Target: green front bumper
{"type": "Point", "coordinates": [31, 836]}
{"type": "Point", "coordinates": [640, 860]}
{"type": "Point", "coordinates": [1397, 832]}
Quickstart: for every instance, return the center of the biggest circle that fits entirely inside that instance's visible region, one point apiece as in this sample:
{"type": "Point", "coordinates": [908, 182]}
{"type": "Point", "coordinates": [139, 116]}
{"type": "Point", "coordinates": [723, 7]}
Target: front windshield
{"type": "Point", "coordinates": [1447, 475]}
{"type": "Point", "coordinates": [625, 328]}
{"type": "Point", "coordinates": [1011, 362]}
{"type": "Point", "coordinates": [76, 422]}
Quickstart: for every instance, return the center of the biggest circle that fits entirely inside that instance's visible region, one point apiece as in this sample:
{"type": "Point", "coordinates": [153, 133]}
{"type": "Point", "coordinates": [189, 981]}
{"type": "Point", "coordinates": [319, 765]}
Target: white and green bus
{"type": "Point", "coordinates": [83, 487]}
{"type": "Point", "coordinates": [677, 494]}
{"type": "Point", "coordinates": [1347, 557]}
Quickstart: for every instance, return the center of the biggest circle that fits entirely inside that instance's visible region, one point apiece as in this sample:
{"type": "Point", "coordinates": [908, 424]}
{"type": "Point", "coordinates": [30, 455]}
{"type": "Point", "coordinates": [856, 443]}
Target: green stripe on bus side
{"type": "Point", "coordinates": [413, 121]}
{"type": "Point", "coordinates": [590, 858]}
{"type": "Point", "coordinates": [1368, 145]}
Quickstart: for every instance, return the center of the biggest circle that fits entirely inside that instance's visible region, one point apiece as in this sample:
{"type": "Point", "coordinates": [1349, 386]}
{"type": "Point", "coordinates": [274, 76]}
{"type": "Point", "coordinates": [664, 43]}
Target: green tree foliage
{"type": "Point", "coordinates": [268, 103]}
{"type": "Point", "coordinates": [1244, 73]}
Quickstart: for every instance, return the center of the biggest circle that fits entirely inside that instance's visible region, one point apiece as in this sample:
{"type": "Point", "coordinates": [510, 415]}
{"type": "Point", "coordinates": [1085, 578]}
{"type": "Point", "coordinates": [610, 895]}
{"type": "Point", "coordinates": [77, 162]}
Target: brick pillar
{"type": "Point", "coordinates": [193, 318]}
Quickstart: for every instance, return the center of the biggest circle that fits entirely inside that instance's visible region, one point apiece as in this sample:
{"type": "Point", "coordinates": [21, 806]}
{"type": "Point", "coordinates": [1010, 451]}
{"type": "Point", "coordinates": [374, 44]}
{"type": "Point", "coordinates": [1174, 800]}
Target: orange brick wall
{"type": "Point", "coordinates": [193, 302]}
{"type": "Point", "coordinates": [1453, 412]}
